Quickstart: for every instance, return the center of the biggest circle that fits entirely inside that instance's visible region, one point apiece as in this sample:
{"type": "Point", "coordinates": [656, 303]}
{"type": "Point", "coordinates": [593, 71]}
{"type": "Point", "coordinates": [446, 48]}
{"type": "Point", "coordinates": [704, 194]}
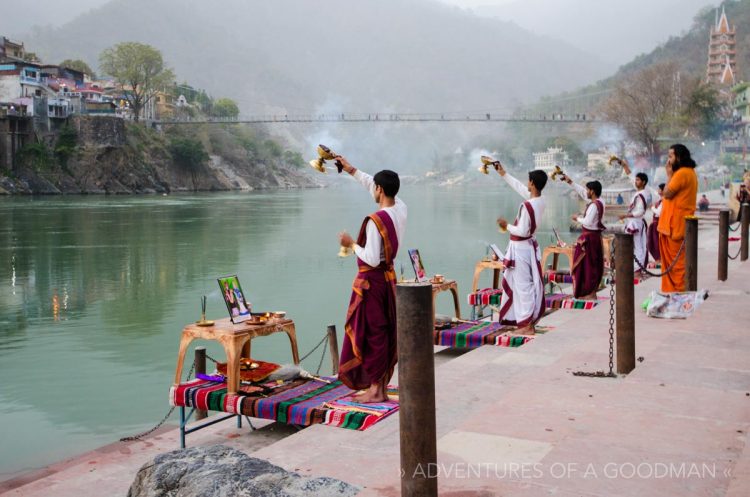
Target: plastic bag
{"type": "Point", "coordinates": [677, 305]}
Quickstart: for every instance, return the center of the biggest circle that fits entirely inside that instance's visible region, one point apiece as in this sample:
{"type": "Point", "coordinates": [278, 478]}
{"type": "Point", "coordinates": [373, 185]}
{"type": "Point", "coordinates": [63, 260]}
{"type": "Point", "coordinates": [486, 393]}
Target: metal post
{"type": "Point", "coordinates": [723, 244]}
{"type": "Point", "coordinates": [415, 321]}
{"type": "Point", "coordinates": [691, 254]}
{"type": "Point", "coordinates": [200, 367]}
{"type": "Point", "coordinates": [624, 303]}
{"type": "Point", "coordinates": [333, 347]}
{"type": "Point", "coordinates": [745, 213]}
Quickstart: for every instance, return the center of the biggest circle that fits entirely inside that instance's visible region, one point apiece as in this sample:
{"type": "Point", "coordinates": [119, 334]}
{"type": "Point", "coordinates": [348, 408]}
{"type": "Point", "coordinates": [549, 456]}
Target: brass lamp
{"type": "Point", "coordinates": [557, 172]}
{"type": "Point", "coordinates": [486, 163]}
{"type": "Point", "coordinates": [614, 158]}
{"type": "Point", "coordinates": [324, 154]}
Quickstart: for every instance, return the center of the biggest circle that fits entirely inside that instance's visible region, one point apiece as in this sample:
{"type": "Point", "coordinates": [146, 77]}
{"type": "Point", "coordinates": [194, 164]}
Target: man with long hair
{"type": "Point", "coordinates": [368, 355]}
{"type": "Point", "coordinates": [680, 195]}
{"type": "Point", "coordinates": [522, 303]}
{"type": "Point", "coordinates": [588, 255]}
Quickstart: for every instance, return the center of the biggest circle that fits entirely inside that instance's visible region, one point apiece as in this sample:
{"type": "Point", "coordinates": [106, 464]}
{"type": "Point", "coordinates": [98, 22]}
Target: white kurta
{"type": "Point", "coordinates": [372, 253]}
{"type": "Point", "coordinates": [590, 219]}
{"type": "Point", "coordinates": [522, 302]}
{"type": "Point", "coordinates": [635, 224]}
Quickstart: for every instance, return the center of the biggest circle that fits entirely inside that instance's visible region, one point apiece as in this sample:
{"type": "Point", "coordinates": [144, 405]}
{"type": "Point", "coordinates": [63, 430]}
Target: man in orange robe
{"type": "Point", "coordinates": [679, 201]}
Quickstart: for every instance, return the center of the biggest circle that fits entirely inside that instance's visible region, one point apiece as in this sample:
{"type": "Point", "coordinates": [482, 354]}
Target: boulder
{"type": "Point", "coordinates": [218, 470]}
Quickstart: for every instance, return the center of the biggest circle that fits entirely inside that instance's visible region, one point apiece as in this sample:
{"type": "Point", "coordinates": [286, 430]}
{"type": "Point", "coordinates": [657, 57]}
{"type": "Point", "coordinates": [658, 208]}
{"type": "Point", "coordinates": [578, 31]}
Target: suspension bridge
{"type": "Point", "coordinates": [553, 118]}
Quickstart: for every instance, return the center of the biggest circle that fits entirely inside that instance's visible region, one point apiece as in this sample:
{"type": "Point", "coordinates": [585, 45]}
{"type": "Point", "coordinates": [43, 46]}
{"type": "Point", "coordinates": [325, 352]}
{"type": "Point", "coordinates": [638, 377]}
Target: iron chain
{"type": "Point", "coordinates": [134, 438]}
{"type": "Point", "coordinates": [669, 269]}
{"type": "Point", "coordinates": [611, 374]}
{"type": "Point", "coordinates": [736, 255]}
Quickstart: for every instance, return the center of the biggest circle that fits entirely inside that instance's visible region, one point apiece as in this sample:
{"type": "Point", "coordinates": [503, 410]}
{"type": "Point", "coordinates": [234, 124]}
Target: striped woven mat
{"type": "Point", "coordinates": [475, 334]}
{"type": "Point", "coordinates": [566, 301]}
{"type": "Point", "coordinates": [558, 277]}
{"type": "Point", "coordinates": [299, 402]}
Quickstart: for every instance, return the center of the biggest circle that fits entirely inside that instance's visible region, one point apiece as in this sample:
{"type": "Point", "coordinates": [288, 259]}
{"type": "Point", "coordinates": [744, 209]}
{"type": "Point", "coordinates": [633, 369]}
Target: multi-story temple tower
{"type": "Point", "coordinates": [722, 52]}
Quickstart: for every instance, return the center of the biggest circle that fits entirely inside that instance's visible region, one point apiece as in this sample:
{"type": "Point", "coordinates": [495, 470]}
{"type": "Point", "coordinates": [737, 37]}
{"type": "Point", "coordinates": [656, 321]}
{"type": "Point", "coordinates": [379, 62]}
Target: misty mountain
{"type": "Point", "coordinates": [364, 56]}
{"type": "Point", "coordinates": [616, 31]}
{"type": "Point", "coordinates": [16, 18]}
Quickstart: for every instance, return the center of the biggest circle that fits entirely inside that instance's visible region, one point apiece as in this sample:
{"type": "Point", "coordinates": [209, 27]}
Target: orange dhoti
{"type": "Point", "coordinates": [674, 281]}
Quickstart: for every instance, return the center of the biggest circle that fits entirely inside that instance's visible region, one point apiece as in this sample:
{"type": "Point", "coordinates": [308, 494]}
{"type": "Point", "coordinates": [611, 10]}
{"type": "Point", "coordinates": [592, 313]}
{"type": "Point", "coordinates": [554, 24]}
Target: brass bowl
{"type": "Point", "coordinates": [279, 314]}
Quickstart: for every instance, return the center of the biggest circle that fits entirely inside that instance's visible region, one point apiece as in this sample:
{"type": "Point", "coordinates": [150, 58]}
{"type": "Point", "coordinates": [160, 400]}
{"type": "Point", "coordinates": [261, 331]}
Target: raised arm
{"type": "Point", "coordinates": [579, 189]}
{"type": "Point", "coordinates": [519, 187]}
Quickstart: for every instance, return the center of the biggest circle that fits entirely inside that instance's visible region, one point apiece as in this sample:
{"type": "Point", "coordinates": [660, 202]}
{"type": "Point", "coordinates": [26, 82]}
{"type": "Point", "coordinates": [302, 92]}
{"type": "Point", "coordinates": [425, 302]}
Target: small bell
{"type": "Point", "coordinates": [345, 251]}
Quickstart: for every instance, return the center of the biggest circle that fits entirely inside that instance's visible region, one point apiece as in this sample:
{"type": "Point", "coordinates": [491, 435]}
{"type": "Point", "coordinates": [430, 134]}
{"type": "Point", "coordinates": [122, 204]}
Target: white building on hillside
{"type": "Point", "coordinates": [554, 156]}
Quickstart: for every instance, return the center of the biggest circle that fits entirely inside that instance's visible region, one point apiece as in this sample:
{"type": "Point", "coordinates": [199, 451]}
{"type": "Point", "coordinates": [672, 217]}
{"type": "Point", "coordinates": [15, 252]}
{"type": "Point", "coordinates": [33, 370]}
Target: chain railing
{"type": "Point", "coordinates": [739, 250]}
{"type": "Point", "coordinates": [669, 269]}
{"type": "Point", "coordinates": [611, 374]}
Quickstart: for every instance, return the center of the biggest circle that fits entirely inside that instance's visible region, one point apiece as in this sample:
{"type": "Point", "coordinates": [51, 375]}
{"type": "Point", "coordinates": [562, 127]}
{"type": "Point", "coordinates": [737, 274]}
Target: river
{"type": "Point", "coordinates": [94, 291]}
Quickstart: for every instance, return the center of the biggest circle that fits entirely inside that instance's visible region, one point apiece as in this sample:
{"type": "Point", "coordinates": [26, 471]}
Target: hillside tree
{"type": "Point", "coordinates": [138, 70]}
{"type": "Point", "coordinates": [78, 65]}
{"type": "Point", "coordinates": [226, 107]}
{"type": "Point", "coordinates": [646, 105]}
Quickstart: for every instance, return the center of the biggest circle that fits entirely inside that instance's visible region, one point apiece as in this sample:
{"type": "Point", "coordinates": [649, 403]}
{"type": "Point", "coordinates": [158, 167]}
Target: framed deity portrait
{"type": "Point", "coordinates": [416, 263]}
{"type": "Point", "coordinates": [234, 298]}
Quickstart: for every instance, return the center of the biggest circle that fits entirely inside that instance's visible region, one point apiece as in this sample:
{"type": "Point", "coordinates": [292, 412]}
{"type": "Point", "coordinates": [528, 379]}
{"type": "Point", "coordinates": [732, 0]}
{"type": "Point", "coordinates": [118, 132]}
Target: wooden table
{"type": "Point", "coordinates": [446, 286]}
{"type": "Point", "coordinates": [235, 338]}
{"type": "Point", "coordinates": [496, 267]}
{"type": "Point", "coordinates": [555, 252]}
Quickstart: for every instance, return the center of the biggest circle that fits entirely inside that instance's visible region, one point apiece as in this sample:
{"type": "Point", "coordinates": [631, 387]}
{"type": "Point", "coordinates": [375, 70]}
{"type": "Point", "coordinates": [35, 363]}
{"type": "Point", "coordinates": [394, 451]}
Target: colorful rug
{"type": "Point", "coordinates": [558, 277]}
{"type": "Point", "coordinates": [566, 301]}
{"type": "Point", "coordinates": [486, 296]}
{"type": "Point", "coordinates": [475, 334]}
{"type": "Point", "coordinates": [298, 402]}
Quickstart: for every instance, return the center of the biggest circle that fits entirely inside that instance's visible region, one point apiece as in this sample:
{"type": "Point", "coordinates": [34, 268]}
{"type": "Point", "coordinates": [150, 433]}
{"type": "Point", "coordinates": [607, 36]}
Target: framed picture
{"type": "Point", "coordinates": [416, 263]}
{"type": "Point", "coordinates": [497, 252]}
{"type": "Point", "coordinates": [234, 297]}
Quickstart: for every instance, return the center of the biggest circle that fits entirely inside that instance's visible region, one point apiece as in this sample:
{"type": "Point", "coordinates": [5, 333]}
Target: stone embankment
{"type": "Point", "coordinates": [103, 155]}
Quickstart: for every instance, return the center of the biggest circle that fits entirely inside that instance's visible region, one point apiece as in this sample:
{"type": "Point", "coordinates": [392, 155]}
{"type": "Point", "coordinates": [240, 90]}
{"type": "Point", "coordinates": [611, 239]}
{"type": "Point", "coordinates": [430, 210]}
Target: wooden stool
{"type": "Point", "coordinates": [483, 265]}
{"type": "Point", "coordinates": [234, 338]}
{"type": "Point", "coordinates": [445, 286]}
{"type": "Point", "coordinates": [555, 252]}
{"type": "Point", "coordinates": [496, 267]}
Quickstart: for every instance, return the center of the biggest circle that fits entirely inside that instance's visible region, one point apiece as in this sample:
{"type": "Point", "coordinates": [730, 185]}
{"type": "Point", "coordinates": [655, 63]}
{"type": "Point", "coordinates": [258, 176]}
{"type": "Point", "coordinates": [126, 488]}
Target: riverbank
{"type": "Point", "coordinates": [685, 408]}
{"type": "Point", "coordinates": [109, 155]}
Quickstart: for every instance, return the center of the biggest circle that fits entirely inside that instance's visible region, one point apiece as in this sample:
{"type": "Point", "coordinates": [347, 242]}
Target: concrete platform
{"type": "Point", "coordinates": [517, 422]}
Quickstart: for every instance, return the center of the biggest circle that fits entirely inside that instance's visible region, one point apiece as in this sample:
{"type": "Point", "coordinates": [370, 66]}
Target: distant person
{"type": "Point", "coordinates": [679, 201]}
{"type": "Point", "coordinates": [588, 255]}
{"type": "Point", "coordinates": [635, 220]}
{"type": "Point", "coordinates": [522, 303]}
{"type": "Point", "coordinates": [743, 197]}
{"type": "Point", "coordinates": [368, 355]}
{"type": "Point", "coordinates": [703, 203]}
{"type": "Point", "coordinates": [620, 200]}
{"type": "Point", "coordinates": [653, 232]}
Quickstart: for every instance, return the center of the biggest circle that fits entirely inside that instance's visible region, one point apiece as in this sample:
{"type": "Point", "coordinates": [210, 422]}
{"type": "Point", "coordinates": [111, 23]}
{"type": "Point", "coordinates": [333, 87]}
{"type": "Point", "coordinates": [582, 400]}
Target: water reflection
{"type": "Point", "coordinates": [95, 290]}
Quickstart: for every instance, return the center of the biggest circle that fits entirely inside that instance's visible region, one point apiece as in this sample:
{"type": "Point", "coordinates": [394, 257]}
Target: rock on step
{"type": "Point", "coordinates": [218, 470]}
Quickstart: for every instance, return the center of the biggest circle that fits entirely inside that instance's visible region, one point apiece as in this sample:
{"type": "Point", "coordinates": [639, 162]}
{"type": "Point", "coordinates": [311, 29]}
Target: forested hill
{"type": "Point", "coordinates": [689, 51]}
